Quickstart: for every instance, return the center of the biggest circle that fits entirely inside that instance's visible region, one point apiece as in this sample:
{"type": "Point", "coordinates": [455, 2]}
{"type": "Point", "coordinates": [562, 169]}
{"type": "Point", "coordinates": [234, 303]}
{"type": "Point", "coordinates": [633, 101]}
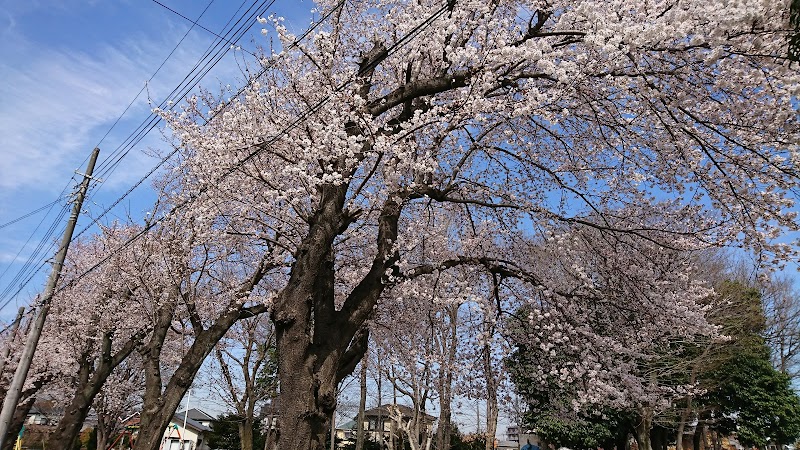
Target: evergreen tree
{"type": "Point", "coordinates": [225, 433]}
{"type": "Point", "coordinates": [755, 401]}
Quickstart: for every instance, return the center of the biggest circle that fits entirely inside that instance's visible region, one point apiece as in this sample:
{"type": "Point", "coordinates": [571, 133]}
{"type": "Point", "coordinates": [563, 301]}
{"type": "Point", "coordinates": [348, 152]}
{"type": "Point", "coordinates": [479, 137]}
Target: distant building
{"type": "Point", "coordinates": [44, 412]}
{"type": "Point", "coordinates": [190, 437]}
{"type": "Point", "coordinates": [376, 419]}
{"type": "Point", "coordinates": [200, 416]}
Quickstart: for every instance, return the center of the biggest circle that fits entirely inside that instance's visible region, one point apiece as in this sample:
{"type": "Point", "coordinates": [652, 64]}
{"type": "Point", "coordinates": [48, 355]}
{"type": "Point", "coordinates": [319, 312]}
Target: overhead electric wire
{"type": "Point", "coordinates": [22, 272]}
{"type": "Point", "coordinates": [272, 139]}
{"type": "Point", "coordinates": [34, 255]}
{"type": "Point", "coordinates": [154, 119]}
{"type": "Point", "coordinates": [263, 70]}
{"type": "Point", "coordinates": [22, 285]}
{"type": "Point", "coordinates": [109, 164]}
{"type": "Point", "coordinates": [35, 211]}
{"type": "Point", "coordinates": [160, 66]}
{"type": "Point", "coordinates": [37, 255]}
{"type": "Point", "coordinates": [211, 57]}
{"type": "Point", "coordinates": [187, 83]}
{"type": "Point", "coordinates": [296, 42]}
{"type": "Point", "coordinates": [201, 26]}
{"type": "Point", "coordinates": [146, 127]}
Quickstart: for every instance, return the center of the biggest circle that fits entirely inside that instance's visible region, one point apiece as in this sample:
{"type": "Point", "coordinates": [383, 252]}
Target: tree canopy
{"type": "Point", "coordinates": [563, 156]}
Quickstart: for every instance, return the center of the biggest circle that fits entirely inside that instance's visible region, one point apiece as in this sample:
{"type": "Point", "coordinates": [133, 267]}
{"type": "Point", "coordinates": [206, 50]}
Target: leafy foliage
{"type": "Point", "coordinates": [87, 440]}
{"type": "Point", "coordinates": [225, 433]}
{"type": "Point", "coordinates": [583, 431]}
{"type": "Point", "coordinates": [755, 400]}
{"type": "Point", "coordinates": [267, 376]}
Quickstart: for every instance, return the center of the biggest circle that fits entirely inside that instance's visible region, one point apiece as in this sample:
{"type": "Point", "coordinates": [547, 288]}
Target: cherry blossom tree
{"type": "Point", "coordinates": [782, 309]}
{"type": "Point", "coordinates": [647, 126]}
{"type": "Point", "coordinates": [197, 288]}
{"type": "Point", "coordinates": [412, 367]}
{"type": "Point", "coordinates": [446, 343]}
{"type": "Point", "coordinates": [94, 326]}
{"type": "Point", "coordinates": [39, 377]}
{"type": "Point", "coordinates": [120, 396]}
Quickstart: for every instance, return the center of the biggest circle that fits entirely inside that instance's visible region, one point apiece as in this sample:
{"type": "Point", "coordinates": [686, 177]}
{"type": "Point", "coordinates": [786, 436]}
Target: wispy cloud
{"type": "Point", "coordinates": [53, 101]}
{"type": "Point", "coordinates": [57, 103]}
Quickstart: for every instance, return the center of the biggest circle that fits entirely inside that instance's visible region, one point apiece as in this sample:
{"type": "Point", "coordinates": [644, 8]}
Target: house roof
{"type": "Point", "coordinates": [385, 411]}
{"type": "Point", "coordinates": [178, 419]}
{"type": "Point", "coordinates": [351, 425]}
{"type": "Point", "coordinates": [198, 415]}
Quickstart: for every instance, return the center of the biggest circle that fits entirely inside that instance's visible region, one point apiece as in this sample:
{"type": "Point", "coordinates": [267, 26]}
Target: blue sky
{"type": "Point", "coordinates": [69, 70]}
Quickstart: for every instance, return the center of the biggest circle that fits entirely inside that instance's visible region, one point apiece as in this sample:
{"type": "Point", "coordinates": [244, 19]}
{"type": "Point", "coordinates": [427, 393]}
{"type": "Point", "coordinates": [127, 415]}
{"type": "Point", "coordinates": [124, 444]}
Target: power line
{"type": "Point", "coordinates": [261, 146]}
{"type": "Point", "coordinates": [160, 66]}
{"type": "Point", "coordinates": [188, 86]}
{"type": "Point", "coordinates": [213, 54]}
{"type": "Point", "coordinates": [236, 30]}
{"type": "Point", "coordinates": [211, 57]}
{"type": "Point", "coordinates": [195, 23]}
{"type": "Point", "coordinates": [155, 119]}
{"type": "Point", "coordinates": [25, 283]}
{"type": "Point", "coordinates": [25, 216]}
{"type": "Point", "coordinates": [216, 112]}
{"type": "Point", "coordinates": [35, 255]}
{"type": "Point", "coordinates": [47, 237]}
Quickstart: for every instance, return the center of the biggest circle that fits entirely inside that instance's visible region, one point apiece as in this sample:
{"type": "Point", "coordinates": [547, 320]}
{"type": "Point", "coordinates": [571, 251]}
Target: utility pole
{"type": "Point", "coordinates": [15, 389]}
{"type": "Point", "coordinates": [185, 417]}
{"type": "Point", "coordinates": [7, 350]}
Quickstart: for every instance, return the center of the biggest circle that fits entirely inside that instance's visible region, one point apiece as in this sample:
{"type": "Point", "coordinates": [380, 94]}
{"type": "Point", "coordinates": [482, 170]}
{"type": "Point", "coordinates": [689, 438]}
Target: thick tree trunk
{"type": "Point", "coordinates": [642, 429]}
{"type": "Point", "coordinates": [308, 398]}
{"type": "Point", "coordinates": [381, 427]}
{"type": "Point", "coordinates": [318, 344]}
{"type": "Point", "coordinates": [446, 383]}
{"type": "Point", "coordinates": [698, 437]}
{"type": "Point", "coordinates": [491, 419]}
{"type": "Point", "coordinates": [658, 438]}
{"type": "Point", "coordinates": [621, 442]}
{"type": "Point", "coordinates": [491, 382]}
{"type": "Point", "coordinates": [69, 427]}
{"type": "Point", "coordinates": [444, 430]}
{"type": "Point", "coordinates": [102, 438]}
{"type": "Point", "coordinates": [151, 360]}
{"type": "Point", "coordinates": [333, 431]}
{"type": "Point", "coordinates": [246, 434]}
{"type": "Point", "coordinates": [682, 424]}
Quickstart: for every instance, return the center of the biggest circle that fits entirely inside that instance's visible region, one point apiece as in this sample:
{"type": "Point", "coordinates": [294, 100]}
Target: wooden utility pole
{"type": "Point", "coordinates": [362, 404]}
{"type": "Point", "coordinates": [14, 390]}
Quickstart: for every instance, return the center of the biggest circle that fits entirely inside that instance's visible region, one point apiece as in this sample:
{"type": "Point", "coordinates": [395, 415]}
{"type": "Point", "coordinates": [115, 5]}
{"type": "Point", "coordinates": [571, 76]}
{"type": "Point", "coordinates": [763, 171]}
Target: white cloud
{"type": "Point", "coordinates": [56, 104]}
{"type": "Point", "coordinates": [53, 100]}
